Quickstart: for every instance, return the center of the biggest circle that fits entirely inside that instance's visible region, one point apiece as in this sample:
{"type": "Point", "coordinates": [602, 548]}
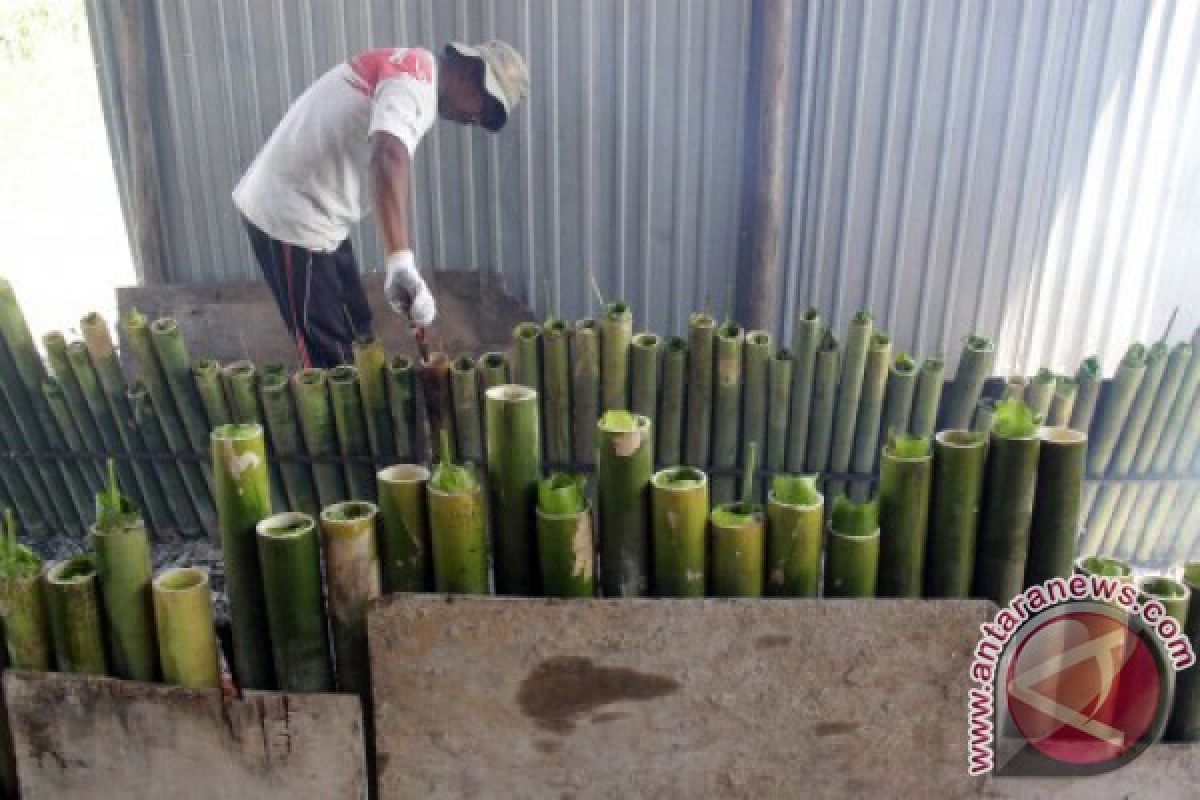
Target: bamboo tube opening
{"type": "Point", "coordinates": [1163, 588]}
{"type": "Point", "coordinates": [979, 343]}
{"type": "Point", "coordinates": [400, 363]}
{"type": "Point", "coordinates": [1062, 435]}
{"type": "Point", "coordinates": [701, 319]}
{"type": "Point", "coordinates": [511, 393]}
{"type": "Point", "coordinates": [181, 579]}
{"type": "Point", "coordinates": [347, 373]}
{"type": "Point", "coordinates": [493, 360]}
{"type": "Point", "coordinates": [616, 309]}
{"type": "Point", "coordinates": [555, 324]}
{"type": "Point", "coordinates": [904, 365]}
{"type": "Point", "coordinates": [679, 479]}
{"type": "Point", "coordinates": [730, 330]}
{"type": "Point", "coordinates": [773, 498]}
{"type": "Point", "coordinates": [676, 344]}
{"type": "Point", "coordinates": [287, 525]}
{"type": "Point", "coordinates": [76, 569]}
{"type": "Point", "coordinates": [310, 377]}
{"type": "Point", "coordinates": [811, 315]}
{"type": "Point", "coordinates": [463, 364]}
{"type": "Point", "coordinates": [349, 511]}
{"type": "Point", "coordinates": [167, 325]}
{"type": "Point", "coordinates": [647, 340]}
{"type": "Point", "coordinates": [237, 432]}
{"type": "Point", "coordinates": [585, 324]}
{"type": "Point", "coordinates": [736, 515]}
{"type": "Point", "coordinates": [960, 438]}
{"type": "Point", "coordinates": [273, 373]}
{"type": "Point", "coordinates": [760, 338]}
{"type": "Point", "coordinates": [528, 330]}
{"type": "Point", "coordinates": [1191, 575]}
{"type": "Point", "coordinates": [880, 338]}
{"type": "Point", "coordinates": [1103, 566]}
{"type": "Point", "coordinates": [540, 514]}
{"type": "Point", "coordinates": [894, 450]}
{"type": "Point", "coordinates": [404, 473]}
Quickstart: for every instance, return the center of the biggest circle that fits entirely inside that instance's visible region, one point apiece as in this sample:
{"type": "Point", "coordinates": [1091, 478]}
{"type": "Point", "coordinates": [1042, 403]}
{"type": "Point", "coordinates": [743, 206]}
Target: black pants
{"type": "Point", "coordinates": [320, 296]}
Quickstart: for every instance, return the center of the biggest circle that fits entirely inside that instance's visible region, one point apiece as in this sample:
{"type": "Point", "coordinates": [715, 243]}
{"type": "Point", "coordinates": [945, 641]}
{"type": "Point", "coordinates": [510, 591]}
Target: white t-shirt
{"type": "Point", "coordinates": [309, 183]}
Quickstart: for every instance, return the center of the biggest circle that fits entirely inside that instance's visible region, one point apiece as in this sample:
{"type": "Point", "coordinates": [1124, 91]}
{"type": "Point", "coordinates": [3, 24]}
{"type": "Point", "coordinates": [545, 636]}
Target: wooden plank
{"type": "Point", "coordinates": [100, 738]}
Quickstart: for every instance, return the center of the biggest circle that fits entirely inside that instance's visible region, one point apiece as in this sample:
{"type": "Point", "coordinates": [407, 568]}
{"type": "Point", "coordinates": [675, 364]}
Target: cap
{"type": "Point", "coordinates": [505, 76]}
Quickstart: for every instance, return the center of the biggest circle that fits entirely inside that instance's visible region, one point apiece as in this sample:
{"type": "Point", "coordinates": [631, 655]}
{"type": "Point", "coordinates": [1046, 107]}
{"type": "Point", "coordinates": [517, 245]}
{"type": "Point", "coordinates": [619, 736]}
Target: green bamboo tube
{"type": "Point", "coordinates": [89, 384]}
{"type": "Point", "coordinates": [239, 455]}
{"type": "Point", "coordinates": [1176, 371]}
{"type": "Point", "coordinates": [206, 374]}
{"type": "Point", "coordinates": [795, 521]}
{"type": "Point", "coordinates": [1107, 518]}
{"type": "Point", "coordinates": [55, 345]}
{"type": "Point", "coordinates": [123, 564]}
{"type": "Point", "coordinates": [806, 339]}
{"type": "Point", "coordinates": [849, 393]}
{"type": "Point", "coordinates": [1121, 394]}
{"type": "Point", "coordinates": [402, 403]}
{"type": "Point", "coordinates": [958, 467]}
{"type": "Point", "coordinates": [679, 502]}
{"type": "Point", "coordinates": [1009, 483]}
{"type": "Point", "coordinates": [870, 410]}
{"type": "Point", "coordinates": [898, 399]}
{"type": "Point", "coordinates": [371, 362]}
{"type": "Point", "coordinates": [930, 381]}
{"type": "Point", "coordinates": [737, 551]}
{"type": "Point", "coordinates": [1173, 594]}
{"type": "Point", "coordinates": [1105, 566]}
{"type": "Point", "coordinates": [290, 556]}
{"type": "Point", "coordinates": [625, 465]}
{"type": "Point", "coordinates": [513, 469]}
{"type": "Point", "coordinates": [137, 337]}
{"type": "Point", "coordinates": [187, 637]}
{"type": "Point", "coordinates": [616, 332]}
{"type": "Point", "coordinates": [28, 640]}
{"type": "Point", "coordinates": [404, 541]}
{"type": "Point", "coordinates": [31, 427]}
{"type": "Point", "coordinates": [175, 491]}
{"type": "Point", "coordinates": [526, 355]}
{"type": "Point", "coordinates": [241, 381]}
{"type": "Point", "coordinates": [1186, 408]}
{"type": "Point", "coordinates": [143, 486]}
{"type": "Point", "coordinates": [556, 388]}
{"type": "Point", "coordinates": [824, 399]}
{"type": "Point", "coordinates": [727, 399]}
{"type": "Point", "coordinates": [1063, 402]}
{"type": "Point", "coordinates": [974, 366]}
{"type": "Point", "coordinates": [493, 370]}
{"type": "Point", "coordinates": [905, 484]}
{"type": "Point", "coordinates": [464, 395]}
{"type": "Point", "coordinates": [1039, 394]}
{"type": "Point", "coordinates": [757, 357]}
{"type": "Point", "coordinates": [352, 572]}
{"type": "Point", "coordinates": [985, 412]}
{"type": "Point", "coordinates": [779, 402]}
{"type": "Point", "coordinates": [566, 549]}
{"type": "Point", "coordinates": [644, 367]}
{"type": "Point", "coordinates": [1088, 381]}
{"type": "Point", "coordinates": [351, 431]}
{"type": "Point", "coordinates": [310, 392]}
{"type": "Point", "coordinates": [286, 441]}
{"type": "Point", "coordinates": [852, 559]}
{"type": "Point", "coordinates": [1184, 725]}
{"type": "Point", "coordinates": [1057, 504]}
{"type": "Point", "coordinates": [73, 603]}
{"type": "Point", "coordinates": [55, 398]}
{"type": "Point", "coordinates": [458, 529]}
{"type": "Point", "coordinates": [433, 376]}
{"type": "Point", "coordinates": [698, 417]}
{"type": "Point", "coordinates": [585, 390]}
{"type": "Point", "coordinates": [671, 408]}
{"type": "Point", "coordinates": [177, 366]}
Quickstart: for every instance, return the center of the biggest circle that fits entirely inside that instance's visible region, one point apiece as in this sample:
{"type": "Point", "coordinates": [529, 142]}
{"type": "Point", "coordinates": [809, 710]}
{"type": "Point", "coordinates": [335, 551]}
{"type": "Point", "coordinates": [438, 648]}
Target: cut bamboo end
{"type": "Point", "coordinates": [527, 330]}
{"type": "Point", "coordinates": [511, 393]}
{"type": "Point", "coordinates": [347, 373]}
{"type": "Point", "coordinates": [1104, 566]}
{"type": "Point", "coordinates": [237, 432]}
{"type": "Point", "coordinates": [1174, 595]}
{"type": "Point", "coordinates": [700, 319]}
{"type": "Point", "coordinates": [774, 500]}
{"type": "Point", "coordinates": [960, 439]}
{"type": "Point", "coordinates": [286, 525]}
{"type": "Point", "coordinates": [346, 518]}
{"type": "Point", "coordinates": [1061, 435]}
{"type": "Point", "coordinates": [181, 579]}
{"type": "Point", "coordinates": [72, 571]}
{"type": "Point", "coordinates": [679, 479]}
{"type": "Point", "coordinates": [647, 341]}
{"type": "Point", "coordinates": [402, 474]}
{"type": "Point", "coordinates": [186, 637]}
{"type": "Point", "coordinates": [310, 377]}
{"type": "Point", "coordinates": [618, 310]}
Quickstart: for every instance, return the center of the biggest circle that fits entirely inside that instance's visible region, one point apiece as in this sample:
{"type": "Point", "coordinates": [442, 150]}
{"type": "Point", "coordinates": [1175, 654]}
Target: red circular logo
{"type": "Point", "coordinates": [1084, 688]}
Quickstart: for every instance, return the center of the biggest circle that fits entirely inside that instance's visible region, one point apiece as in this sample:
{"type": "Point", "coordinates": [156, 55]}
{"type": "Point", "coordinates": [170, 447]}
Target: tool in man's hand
{"type": "Point", "coordinates": [419, 336]}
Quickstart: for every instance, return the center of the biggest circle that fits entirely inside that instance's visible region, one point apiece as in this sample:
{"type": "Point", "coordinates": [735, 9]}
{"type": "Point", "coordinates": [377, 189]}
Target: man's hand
{"type": "Point", "coordinates": [406, 291]}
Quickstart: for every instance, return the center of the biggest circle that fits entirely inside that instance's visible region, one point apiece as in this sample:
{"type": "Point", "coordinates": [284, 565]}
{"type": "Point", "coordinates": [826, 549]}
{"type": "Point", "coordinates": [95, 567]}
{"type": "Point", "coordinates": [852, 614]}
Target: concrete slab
{"type": "Point", "coordinates": [88, 738]}
{"type": "Point", "coordinates": [239, 320]}
{"type": "Point", "coordinates": [489, 697]}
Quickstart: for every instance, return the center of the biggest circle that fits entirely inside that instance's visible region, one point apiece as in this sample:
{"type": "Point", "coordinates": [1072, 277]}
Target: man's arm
{"type": "Point", "coordinates": [390, 172]}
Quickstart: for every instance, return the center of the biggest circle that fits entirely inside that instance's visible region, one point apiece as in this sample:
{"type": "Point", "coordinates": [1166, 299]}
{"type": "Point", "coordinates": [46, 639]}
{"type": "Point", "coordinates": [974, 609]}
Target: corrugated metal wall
{"type": "Point", "coordinates": [1029, 169]}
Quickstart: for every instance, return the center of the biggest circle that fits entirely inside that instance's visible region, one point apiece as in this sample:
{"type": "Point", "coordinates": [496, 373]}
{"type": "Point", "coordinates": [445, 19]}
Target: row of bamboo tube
{"type": "Point", "coordinates": [820, 406]}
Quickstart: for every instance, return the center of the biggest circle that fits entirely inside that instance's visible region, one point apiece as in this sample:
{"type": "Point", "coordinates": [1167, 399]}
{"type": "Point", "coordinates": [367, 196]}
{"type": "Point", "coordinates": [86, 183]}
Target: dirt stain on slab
{"type": "Point", "coordinates": [561, 690]}
{"type": "Point", "coordinates": [834, 728]}
{"type": "Point", "coordinates": [770, 640]}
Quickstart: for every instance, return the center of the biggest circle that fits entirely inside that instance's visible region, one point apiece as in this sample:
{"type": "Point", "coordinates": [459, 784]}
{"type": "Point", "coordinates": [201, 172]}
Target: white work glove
{"type": "Point", "coordinates": [406, 291]}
